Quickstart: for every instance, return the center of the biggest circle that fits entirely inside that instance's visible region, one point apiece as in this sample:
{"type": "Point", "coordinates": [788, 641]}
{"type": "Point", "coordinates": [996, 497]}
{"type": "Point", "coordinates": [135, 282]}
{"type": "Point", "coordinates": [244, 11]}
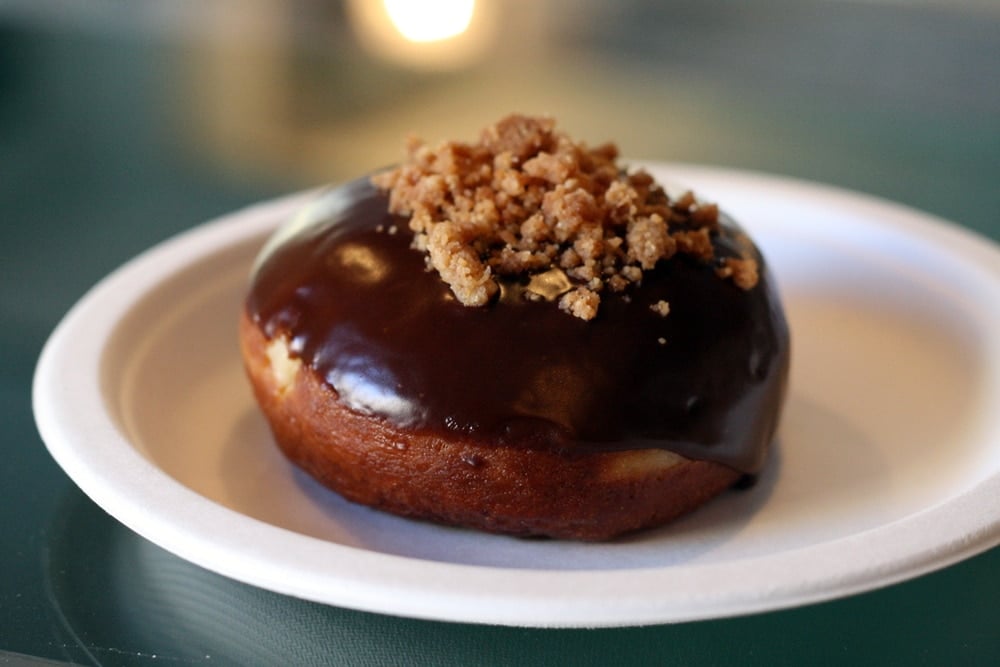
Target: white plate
{"type": "Point", "coordinates": [887, 462]}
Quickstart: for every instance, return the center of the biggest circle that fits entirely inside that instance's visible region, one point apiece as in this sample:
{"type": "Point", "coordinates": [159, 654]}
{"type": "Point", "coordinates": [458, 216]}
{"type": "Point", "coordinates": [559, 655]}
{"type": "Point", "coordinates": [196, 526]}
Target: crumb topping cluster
{"type": "Point", "coordinates": [526, 199]}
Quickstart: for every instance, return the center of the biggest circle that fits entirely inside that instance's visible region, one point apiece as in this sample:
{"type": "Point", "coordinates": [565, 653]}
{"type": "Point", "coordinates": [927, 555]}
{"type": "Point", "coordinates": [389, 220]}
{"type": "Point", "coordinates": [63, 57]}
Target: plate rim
{"type": "Point", "coordinates": [399, 585]}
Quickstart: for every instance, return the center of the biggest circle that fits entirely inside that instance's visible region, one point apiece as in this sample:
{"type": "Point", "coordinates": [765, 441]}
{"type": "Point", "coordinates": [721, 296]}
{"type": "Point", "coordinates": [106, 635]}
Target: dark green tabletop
{"type": "Point", "coordinates": [121, 125]}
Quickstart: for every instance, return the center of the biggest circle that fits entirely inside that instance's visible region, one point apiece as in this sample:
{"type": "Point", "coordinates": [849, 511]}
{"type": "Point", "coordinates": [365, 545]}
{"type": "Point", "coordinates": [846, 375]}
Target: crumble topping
{"type": "Point", "coordinates": [528, 200]}
{"type": "Point", "coordinates": [661, 308]}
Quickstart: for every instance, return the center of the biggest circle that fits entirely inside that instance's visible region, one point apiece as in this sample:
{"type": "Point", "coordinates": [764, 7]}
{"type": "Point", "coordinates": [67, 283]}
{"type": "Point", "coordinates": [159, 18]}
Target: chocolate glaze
{"type": "Point", "coordinates": [359, 307]}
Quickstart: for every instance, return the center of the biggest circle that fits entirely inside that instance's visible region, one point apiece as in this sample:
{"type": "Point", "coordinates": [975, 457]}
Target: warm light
{"type": "Point", "coordinates": [430, 20]}
{"type": "Point", "coordinates": [426, 34]}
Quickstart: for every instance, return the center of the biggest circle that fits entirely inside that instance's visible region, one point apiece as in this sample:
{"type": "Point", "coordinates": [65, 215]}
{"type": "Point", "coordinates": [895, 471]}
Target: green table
{"type": "Point", "coordinates": [113, 137]}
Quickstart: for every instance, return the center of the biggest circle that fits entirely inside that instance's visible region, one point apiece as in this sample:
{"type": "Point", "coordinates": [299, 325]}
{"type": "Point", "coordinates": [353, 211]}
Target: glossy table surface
{"type": "Point", "coordinates": [114, 135]}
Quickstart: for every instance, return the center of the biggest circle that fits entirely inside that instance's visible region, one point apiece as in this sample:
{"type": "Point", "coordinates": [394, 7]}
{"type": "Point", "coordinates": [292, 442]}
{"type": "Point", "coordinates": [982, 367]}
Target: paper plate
{"type": "Point", "coordinates": [886, 466]}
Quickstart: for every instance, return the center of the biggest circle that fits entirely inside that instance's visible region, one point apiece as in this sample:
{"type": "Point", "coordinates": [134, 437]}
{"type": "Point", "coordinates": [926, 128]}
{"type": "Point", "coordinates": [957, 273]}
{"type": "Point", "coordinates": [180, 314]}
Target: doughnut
{"type": "Point", "coordinates": [517, 336]}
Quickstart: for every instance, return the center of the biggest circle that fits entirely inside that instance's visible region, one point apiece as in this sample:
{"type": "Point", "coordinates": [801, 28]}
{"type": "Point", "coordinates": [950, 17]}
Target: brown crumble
{"type": "Point", "coordinates": [661, 308]}
{"type": "Point", "coordinates": [527, 199]}
{"type": "Point", "coordinates": [392, 230]}
{"type": "Point", "coordinates": [742, 271]}
{"type": "Point", "coordinates": [581, 302]}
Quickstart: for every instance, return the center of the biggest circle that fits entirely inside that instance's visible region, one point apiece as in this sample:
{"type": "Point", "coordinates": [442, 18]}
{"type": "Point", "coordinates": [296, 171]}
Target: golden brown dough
{"type": "Point", "coordinates": [513, 490]}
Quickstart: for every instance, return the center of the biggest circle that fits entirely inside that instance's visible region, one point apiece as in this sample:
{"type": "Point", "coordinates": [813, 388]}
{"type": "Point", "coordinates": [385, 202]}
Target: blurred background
{"type": "Point", "coordinates": [129, 121]}
{"type": "Point", "coordinates": [150, 116]}
{"type": "Point", "coordinates": [123, 123]}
